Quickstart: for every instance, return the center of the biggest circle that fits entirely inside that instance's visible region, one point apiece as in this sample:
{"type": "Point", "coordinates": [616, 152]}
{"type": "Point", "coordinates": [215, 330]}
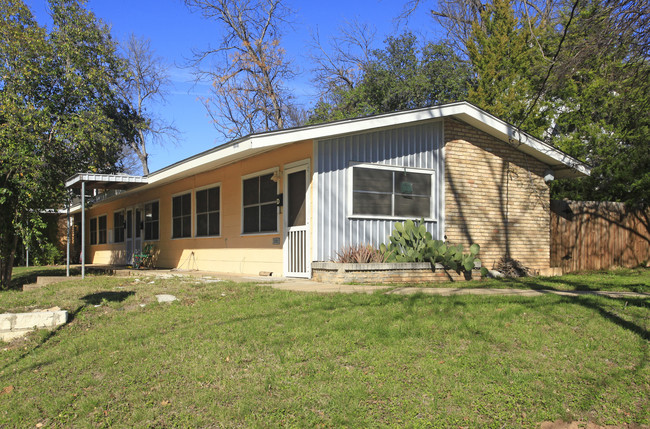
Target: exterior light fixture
{"type": "Point", "coordinates": [549, 175]}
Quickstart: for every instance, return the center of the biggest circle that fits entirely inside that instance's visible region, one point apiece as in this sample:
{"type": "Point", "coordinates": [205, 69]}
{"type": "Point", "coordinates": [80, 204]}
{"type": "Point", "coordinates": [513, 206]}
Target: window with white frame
{"type": "Point", "coordinates": [93, 231]}
{"type": "Point", "coordinates": [208, 207]}
{"type": "Point", "coordinates": [182, 216]}
{"type": "Point", "coordinates": [391, 192]}
{"type": "Point", "coordinates": [260, 207]}
{"type": "Point", "coordinates": [152, 221]}
{"type": "Point", "coordinates": [101, 230]}
{"type": "Point", "coordinates": [118, 227]}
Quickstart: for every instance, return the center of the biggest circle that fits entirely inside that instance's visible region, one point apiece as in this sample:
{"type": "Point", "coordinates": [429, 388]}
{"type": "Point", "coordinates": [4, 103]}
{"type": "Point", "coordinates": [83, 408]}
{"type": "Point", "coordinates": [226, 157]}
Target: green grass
{"type": "Point", "coordinates": [244, 355]}
{"type": "Point", "coordinates": [624, 279]}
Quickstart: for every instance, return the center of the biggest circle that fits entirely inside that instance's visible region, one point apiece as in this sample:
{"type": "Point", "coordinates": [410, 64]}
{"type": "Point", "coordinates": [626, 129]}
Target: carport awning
{"type": "Point", "coordinates": [106, 181]}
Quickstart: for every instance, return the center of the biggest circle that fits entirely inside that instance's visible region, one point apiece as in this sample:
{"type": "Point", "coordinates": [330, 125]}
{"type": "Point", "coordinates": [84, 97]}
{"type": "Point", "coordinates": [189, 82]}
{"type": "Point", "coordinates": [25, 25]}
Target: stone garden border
{"type": "Point", "coordinates": [374, 273]}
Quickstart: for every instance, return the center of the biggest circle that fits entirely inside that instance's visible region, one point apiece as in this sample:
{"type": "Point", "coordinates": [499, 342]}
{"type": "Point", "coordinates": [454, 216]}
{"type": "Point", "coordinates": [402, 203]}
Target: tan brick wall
{"type": "Point", "coordinates": [394, 276]}
{"type": "Point", "coordinates": [495, 196]}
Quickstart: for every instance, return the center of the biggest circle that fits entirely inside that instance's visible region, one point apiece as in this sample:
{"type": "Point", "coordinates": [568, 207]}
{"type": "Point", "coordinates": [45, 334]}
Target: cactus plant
{"type": "Point", "coordinates": [410, 242]}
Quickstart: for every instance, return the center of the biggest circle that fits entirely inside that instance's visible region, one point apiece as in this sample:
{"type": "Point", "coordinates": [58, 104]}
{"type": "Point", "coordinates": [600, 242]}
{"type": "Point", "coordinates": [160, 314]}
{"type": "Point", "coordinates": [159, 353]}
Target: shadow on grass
{"type": "Point", "coordinates": [43, 340]}
{"type": "Point", "coordinates": [99, 297]}
{"type": "Point", "coordinates": [19, 279]}
{"type": "Point", "coordinates": [91, 299]}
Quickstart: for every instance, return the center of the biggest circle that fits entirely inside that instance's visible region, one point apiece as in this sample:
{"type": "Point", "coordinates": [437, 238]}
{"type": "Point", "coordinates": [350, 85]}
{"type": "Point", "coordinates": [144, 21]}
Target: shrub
{"type": "Point", "coordinates": [47, 254]}
{"type": "Point", "coordinates": [361, 254]}
{"type": "Point", "coordinates": [410, 242]}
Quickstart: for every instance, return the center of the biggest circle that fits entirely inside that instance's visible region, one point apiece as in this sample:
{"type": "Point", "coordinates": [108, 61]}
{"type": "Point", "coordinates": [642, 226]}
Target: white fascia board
{"type": "Point", "coordinates": [259, 143]}
{"type": "Point", "coordinates": [566, 166]}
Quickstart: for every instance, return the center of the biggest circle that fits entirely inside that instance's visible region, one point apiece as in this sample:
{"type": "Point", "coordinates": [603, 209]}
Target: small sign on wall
{"type": "Point", "coordinates": [276, 240]}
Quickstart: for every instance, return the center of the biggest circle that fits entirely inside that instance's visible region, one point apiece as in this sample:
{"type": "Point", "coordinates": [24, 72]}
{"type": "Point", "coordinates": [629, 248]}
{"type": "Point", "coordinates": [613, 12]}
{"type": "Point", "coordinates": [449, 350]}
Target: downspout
{"type": "Point", "coordinates": [83, 229]}
{"type": "Point", "coordinates": [67, 246]}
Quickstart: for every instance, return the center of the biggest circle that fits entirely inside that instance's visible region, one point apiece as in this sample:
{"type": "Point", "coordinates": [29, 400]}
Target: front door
{"type": "Point", "coordinates": [297, 262]}
{"type": "Point", "coordinates": [133, 239]}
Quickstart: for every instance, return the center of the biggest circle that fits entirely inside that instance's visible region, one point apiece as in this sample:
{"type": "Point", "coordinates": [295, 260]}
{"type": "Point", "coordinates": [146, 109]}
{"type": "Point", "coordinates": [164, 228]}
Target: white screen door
{"type": "Point", "coordinates": [297, 262]}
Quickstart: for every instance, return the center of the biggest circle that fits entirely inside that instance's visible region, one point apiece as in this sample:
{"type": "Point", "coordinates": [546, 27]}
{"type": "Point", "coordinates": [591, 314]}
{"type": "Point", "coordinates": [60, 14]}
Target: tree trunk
{"type": "Point", "coordinates": [7, 261]}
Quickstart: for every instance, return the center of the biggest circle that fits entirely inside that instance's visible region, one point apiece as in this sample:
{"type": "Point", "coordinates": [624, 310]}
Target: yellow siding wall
{"type": "Point", "coordinates": [232, 251]}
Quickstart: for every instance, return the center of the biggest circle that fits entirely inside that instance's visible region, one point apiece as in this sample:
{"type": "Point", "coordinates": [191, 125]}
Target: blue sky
{"type": "Point", "coordinates": [175, 32]}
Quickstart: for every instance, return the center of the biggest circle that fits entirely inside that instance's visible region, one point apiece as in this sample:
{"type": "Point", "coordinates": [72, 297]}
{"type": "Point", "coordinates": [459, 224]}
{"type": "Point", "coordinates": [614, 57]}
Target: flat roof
{"type": "Point", "coordinates": [105, 181]}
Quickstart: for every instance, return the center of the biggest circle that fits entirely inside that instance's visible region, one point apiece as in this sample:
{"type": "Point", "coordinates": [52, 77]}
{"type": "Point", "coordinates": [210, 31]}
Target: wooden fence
{"type": "Point", "coordinates": [598, 235]}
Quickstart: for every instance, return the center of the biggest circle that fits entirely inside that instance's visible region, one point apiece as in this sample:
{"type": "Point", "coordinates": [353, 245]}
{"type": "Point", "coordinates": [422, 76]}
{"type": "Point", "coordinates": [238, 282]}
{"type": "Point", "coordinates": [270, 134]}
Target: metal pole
{"type": "Point", "coordinates": [67, 245]}
{"type": "Point", "coordinates": [83, 229]}
{"type": "Point", "coordinates": [27, 256]}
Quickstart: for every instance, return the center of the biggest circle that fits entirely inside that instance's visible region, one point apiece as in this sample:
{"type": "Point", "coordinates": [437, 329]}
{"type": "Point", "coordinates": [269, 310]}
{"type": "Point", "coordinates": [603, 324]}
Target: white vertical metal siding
{"type": "Point", "coordinates": [416, 146]}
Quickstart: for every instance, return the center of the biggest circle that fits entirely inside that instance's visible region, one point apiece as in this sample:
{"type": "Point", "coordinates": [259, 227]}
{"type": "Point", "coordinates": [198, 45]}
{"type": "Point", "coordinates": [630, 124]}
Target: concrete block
{"type": "Point", "coordinates": [40, 319]}
{"type": "Point", "coordinates": [12, 335]}
{"type": "Point", "coordinates": [6, 321]}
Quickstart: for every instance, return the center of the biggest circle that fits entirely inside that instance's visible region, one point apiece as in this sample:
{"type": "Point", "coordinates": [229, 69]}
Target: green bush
{"type": "Point", "coordinates": [410, 242]}
{"type": "Point", "coordinates": [47, 254]}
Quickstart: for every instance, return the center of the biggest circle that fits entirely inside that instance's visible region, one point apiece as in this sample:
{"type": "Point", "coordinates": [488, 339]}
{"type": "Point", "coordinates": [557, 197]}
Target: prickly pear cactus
{"type": "Point", "coordinates": [410, 242]}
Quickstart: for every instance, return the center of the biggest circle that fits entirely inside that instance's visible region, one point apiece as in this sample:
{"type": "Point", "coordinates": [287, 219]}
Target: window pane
{"type": "Point", "coordinates": [187, 226]}
{"type": "Point", "coordinates": [372, 179]}
{"type": "Point", "coordinates": [374, 204]}
{"type": "Point", "coordinates": [187, 204]}
{"type": "Point", "coordinates": [269, 217]}
{"type": "Point", "coordinates": [154, 231]}
{"type": "Point", "coordinates": [412, 206]}
{"type": "Point", "coordinates": [202, 225]}
{"type": "Point", "coordinates": [102, 222]}
{"type": "Point", "coordinates": [268, 189]}
{"type": "Point", "coordinates": [202, 201]}
{"type": "Point", "coordinates": [252, 219]}
{"type": "Point", "coordinates": [176, 227]}
{"type": "Point", "coordinates": [176, 206]}
{"type": "Point", "coordinates": [93, 231]}
{"type": "Point", "coordinates": [214, 223]}
{"type": "Point", "coordinates": [154, 210]}
{"type": "Point", "coordinates": [420, 184]}
{"type": "Point", "coordinates": [213, 199]}
{"type": "Point", "coordinates": [251, 191]}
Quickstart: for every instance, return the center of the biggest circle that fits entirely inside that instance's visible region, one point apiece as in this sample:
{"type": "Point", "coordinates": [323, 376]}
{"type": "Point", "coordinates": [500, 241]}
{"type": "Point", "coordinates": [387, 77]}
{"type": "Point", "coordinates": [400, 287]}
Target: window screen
{"type": "Point", "coordinates": [182, 216]}
{"type": "Point", "coordinates": [101, 230]}
{"type": "Point", "coordinates": [118, 227]}
{"type": "Point", "coordinates": [260, 207]}
{"type": "Point", "coordinates": [391, 192]}
{"type": "Point", "coordinates": [208, 211]}
{"type": "Point", "coordinates": [151, 221]}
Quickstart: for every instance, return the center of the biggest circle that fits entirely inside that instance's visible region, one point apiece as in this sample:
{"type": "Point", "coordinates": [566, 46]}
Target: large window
{"type": "Point", "coordinates": [118, 227]}
{"type": "Point", "coordinates": [182, 216]}
{"type": "Point", "coordinates": [151, 221]}
{"type": "Point", "coordinates": [208, 206]}
{"type": "Point", "coordinates": [391, 192]}
{"type": "Point", "coordinates": [101, 230]}
{"type": "Point", "coordinates": [260, 207]}
{"type": "Point", "coordinates": [93, 231]}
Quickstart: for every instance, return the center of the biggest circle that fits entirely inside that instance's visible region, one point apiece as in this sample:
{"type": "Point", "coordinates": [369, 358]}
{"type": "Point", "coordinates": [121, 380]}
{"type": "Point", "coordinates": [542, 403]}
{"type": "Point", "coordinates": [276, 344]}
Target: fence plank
{"type": "Point", "coordinates": [587, 235]}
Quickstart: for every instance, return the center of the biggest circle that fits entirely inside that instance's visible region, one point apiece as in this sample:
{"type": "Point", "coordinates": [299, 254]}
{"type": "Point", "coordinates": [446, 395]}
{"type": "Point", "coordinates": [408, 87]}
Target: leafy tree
{"type": "Point", "coordinates": [249, 67]}
{"type": "Point", "coordinates": [401, 76]}
{"type": "Point", "coordinates": [573, 74]}
{"type": "Point", "coordinates": [58, 113]}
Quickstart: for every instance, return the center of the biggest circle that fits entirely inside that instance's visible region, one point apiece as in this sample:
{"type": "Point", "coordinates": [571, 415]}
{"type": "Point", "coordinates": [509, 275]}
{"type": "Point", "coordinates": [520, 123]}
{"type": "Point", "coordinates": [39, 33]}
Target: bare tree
{"type": "Point", "coordinates": [145, 84]}
{"type": "Point", "coordinates": [248, 68]}
{"type": "Point", "coordinates": [340, 62]}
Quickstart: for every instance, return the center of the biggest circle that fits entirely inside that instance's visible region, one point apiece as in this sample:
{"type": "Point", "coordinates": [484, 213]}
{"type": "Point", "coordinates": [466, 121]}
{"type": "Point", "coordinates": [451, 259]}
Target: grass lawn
{"type": "Point", "coordinates": [237, 355]}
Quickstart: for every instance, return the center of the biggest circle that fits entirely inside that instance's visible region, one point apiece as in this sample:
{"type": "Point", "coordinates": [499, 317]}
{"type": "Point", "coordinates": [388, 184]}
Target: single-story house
{"type": "Point", "coordinates": [277, 201]}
